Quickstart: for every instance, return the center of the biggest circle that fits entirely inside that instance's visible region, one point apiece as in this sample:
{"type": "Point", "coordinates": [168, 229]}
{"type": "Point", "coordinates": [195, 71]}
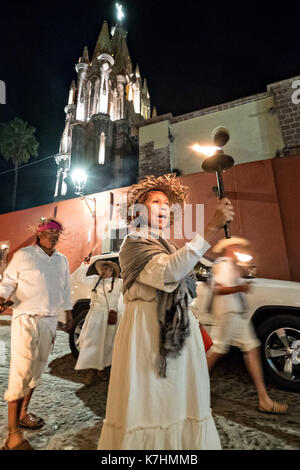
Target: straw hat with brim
{"type": "Point", "coordinates": [225, 242]}
{"type": "Point", "coordinates": [169, 184]}
{"type": "Point", "coordinates": [92, 271]}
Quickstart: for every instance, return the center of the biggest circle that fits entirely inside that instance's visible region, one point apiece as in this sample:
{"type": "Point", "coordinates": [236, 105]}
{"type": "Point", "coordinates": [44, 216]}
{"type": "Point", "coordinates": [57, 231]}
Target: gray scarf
{"type": "Point", "coordinates": [172, 308]}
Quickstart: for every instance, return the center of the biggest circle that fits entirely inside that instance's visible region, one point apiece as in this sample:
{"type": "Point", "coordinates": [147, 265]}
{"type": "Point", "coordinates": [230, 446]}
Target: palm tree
{"type": "Point", "coordinates": [17, 143]}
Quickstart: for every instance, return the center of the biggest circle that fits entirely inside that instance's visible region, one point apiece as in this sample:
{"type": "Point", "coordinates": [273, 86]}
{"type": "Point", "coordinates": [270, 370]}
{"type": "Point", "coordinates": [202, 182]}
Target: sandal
{"type": "Point", "coordinates": [31, 421]}
{"type": "Point", "coordinates": [277, 408]}
{"type": "Point", "coordinates": [23, 445]}
{"type": "Point", "coordinates": [91, 377]}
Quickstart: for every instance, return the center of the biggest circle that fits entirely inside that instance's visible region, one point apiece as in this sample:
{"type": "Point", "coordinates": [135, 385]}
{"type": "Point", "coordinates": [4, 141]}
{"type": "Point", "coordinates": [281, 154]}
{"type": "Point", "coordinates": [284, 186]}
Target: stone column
{"type": "Point", "coordinates": [81, 69]}
{"type": "Point", "coordinates": [106, 62]}
{"type": "Point", "coordinates": [121, 81]}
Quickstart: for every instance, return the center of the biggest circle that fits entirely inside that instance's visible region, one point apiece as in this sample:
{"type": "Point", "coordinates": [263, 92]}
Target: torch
{"type": "Point", "coordinates": [216, 162]}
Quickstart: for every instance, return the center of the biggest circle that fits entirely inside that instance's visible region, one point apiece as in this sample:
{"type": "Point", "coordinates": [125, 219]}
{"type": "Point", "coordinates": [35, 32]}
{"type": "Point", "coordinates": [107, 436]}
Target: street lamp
{"type": "Point", "coordinates": [79, 179]}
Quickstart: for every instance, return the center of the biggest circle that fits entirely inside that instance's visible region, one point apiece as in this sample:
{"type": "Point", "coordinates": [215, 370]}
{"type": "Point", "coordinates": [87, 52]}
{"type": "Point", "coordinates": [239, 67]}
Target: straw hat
{"type": "Point", "coordinates": [169, 184]}
{"type": "Point", "coordinates": [225, 242]}
{"type": "Point", "coordinates": [92, 271]}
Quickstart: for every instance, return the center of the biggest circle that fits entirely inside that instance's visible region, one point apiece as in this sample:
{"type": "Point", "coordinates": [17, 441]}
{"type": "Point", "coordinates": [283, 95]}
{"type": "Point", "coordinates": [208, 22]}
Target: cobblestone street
{"type": "Point", "coordinates": [74, 412]}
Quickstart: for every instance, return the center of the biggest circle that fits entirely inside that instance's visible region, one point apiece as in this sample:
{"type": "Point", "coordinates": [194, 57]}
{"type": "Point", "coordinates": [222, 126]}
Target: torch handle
{"type": "Point", "coordinates": [227, 230]}
{"type": "Point", "coordinates": [219, 174]}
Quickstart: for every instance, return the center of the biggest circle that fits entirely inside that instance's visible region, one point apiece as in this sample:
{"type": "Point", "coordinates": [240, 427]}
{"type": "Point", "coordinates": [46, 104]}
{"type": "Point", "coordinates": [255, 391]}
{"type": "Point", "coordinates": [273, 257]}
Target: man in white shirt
{"type": "Point", "coordinates": [232, 326]}
{"type": "Point", "coordinates": [39, 277]}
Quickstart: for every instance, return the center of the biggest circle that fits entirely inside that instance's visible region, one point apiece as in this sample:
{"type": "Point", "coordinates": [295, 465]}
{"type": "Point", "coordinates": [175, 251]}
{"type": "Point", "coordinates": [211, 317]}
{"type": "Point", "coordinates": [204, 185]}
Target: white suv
{"type": "Point", "coordinates": [275, 313]}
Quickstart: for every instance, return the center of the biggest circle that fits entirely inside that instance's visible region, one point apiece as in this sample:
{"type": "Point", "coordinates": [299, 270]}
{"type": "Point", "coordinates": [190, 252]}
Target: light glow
{"type": "Point", "coordinates": [120, 12]}
{"type": "Point", "coordinates": [101, 157]}
{"type": "Point", "coordinates": [207, 150]}
{"type": "Point", "coordinates": [79, 178]}
{"type": "Point", "coordinates": [243, 257]}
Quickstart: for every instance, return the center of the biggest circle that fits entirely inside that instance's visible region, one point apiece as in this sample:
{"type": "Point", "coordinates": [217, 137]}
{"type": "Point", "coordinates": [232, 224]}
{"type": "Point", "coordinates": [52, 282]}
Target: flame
{"type": "Point", "coordinates": [207, 150]}
{"type": "Point", "coordinates": [243, 257]}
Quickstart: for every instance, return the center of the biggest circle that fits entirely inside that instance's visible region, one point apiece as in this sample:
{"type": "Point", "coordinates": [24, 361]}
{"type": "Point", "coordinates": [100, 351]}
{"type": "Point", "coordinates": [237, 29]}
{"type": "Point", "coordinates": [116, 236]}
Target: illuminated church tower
{"type": "Point", "coordinates": [106, 104]}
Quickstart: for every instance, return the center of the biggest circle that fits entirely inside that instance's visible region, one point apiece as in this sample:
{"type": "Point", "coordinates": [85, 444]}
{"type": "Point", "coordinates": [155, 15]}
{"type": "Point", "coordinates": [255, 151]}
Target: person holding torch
{"type": "Point", "coordinates": [231, 324]}
{"type": "Point", "coordinates": [159, 394]}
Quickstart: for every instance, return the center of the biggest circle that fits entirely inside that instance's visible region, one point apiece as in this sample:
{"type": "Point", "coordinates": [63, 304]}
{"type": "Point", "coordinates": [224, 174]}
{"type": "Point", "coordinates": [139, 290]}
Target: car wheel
{"type": "Point", "coordinates": [280, 338]}
{"type": "Point", "coordinates": [76, 330]}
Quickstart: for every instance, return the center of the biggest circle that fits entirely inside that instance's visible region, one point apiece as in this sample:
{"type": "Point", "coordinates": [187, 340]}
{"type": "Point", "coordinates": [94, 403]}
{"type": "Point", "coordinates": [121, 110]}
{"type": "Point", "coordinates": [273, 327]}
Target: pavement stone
{"type": "Point", "coordinates": [74, 412]}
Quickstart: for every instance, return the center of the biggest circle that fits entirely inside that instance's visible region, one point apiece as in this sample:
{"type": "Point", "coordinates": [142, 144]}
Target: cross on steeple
{"type": "Point", "coordinates": [120, 12]}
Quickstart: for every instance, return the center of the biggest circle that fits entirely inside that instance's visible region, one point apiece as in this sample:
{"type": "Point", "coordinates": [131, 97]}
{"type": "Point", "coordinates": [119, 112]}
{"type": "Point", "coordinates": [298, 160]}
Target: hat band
{"type": "Point", "coordinates": [50, 225]}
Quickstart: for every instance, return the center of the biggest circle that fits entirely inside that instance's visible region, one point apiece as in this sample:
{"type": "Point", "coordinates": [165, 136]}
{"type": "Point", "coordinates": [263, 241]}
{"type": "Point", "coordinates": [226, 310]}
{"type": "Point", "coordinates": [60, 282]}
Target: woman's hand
{"type": "Point", "coordinates": [223, 213]}
{"type": "Point", "coordinates": [246, 287]}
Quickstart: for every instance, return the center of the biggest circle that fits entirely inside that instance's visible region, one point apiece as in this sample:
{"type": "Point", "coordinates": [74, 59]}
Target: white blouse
{"type": "Point", "coordinates": [41, 282]}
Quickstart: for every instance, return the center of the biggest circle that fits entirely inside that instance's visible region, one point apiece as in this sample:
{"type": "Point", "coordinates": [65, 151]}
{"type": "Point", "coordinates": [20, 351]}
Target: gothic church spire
{"type": "Point", "coordinates": [104, 43]}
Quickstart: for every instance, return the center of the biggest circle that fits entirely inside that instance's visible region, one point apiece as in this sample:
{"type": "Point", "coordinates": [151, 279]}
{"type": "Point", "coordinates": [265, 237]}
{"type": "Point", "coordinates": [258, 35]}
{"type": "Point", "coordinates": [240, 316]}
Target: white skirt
{"type": "Point", "coordinates": [96, 340]}
{"type": "Point", "coordinates": [145, 411]}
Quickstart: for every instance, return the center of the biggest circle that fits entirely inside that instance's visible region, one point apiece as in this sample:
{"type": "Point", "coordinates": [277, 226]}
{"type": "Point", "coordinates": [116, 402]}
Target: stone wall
{"type": "Point", "coordinates": [220, 107]}
{"type": "Point", "coordinates": [288, 114]}
{"type": "Point", "coordinates": [261, 126]}
{"type": "Point", "coordinates": [153, 161]}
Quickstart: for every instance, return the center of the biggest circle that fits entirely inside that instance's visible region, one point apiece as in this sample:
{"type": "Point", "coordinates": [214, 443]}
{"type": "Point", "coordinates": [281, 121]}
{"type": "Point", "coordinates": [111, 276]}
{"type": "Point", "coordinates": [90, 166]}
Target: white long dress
{"type": "Point", "coordinates": [97, 336]}
{"type": "Point", "coordinates": [144, 410]}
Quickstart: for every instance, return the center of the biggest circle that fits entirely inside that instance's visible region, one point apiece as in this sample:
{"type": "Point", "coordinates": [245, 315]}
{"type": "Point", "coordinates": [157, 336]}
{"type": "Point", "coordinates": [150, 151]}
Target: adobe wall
{"type": "Point", "coordinates": [252, 189]}
{"type": "Point", "coordinates": [83, 233]}
{"type": "Point", "coordinates": [287, 177]}
{"type": "Point", "coordinates": [265, 195]}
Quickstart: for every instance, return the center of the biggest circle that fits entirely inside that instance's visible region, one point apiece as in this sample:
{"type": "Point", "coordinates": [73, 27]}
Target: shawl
{"type": "Point", "coordinates": [172, 308]}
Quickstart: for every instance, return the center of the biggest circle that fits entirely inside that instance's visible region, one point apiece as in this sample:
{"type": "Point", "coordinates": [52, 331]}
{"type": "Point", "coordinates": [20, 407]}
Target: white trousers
{"type": "Point", "coordinates": [31, 340]}
{"type": "Point", "coordinates": [233, 329]}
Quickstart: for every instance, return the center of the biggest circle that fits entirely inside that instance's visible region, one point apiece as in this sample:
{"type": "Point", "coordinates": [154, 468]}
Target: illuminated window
{"type": "Point", "coordinates": [101, 159]}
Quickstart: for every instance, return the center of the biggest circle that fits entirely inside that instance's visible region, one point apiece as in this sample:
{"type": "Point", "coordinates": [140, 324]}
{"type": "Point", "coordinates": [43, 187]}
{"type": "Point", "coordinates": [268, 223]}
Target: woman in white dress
{"type": "Point", "coordinates": [159, 394]}
{"type": "Point", "coordinates": [97, 336]}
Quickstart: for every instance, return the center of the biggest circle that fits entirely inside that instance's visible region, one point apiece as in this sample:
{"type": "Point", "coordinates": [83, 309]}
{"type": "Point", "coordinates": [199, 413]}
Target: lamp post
{"type": "Point", "coordinates": [79, 179]}
{"type": "Point", "coordinates": [216, 162]}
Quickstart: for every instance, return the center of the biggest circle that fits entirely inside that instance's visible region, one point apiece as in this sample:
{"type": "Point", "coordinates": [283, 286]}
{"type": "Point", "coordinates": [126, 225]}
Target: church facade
{"type": "Point", "coordinates": [110, 133]}
{"type": "Point", "coordinates": [106, 105]}
{"type": "Point", "coordinates": [261, 126]}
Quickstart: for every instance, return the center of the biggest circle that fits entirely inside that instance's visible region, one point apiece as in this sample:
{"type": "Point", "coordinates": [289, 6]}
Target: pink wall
{"type": "Point", "coordinates": [266, 199]}
{"type": "Point", "coordinates": [251, 188]}
{"type": "Point", "coordinates": [17, 227]}
{"type": "Point", "coordinates": [287, 177]}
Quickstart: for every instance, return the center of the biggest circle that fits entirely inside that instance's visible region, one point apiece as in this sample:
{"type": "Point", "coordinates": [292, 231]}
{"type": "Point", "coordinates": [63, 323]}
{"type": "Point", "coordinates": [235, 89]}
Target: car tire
{"type": "Point", "coordinates": [280, 347]}
{"type": "Point", "coordinates": [76, 330]}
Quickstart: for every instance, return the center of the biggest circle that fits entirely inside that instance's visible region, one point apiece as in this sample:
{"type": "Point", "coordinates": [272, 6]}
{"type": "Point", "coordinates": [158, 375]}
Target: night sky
{"type": "Point", "coordinates": [193, 54]}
